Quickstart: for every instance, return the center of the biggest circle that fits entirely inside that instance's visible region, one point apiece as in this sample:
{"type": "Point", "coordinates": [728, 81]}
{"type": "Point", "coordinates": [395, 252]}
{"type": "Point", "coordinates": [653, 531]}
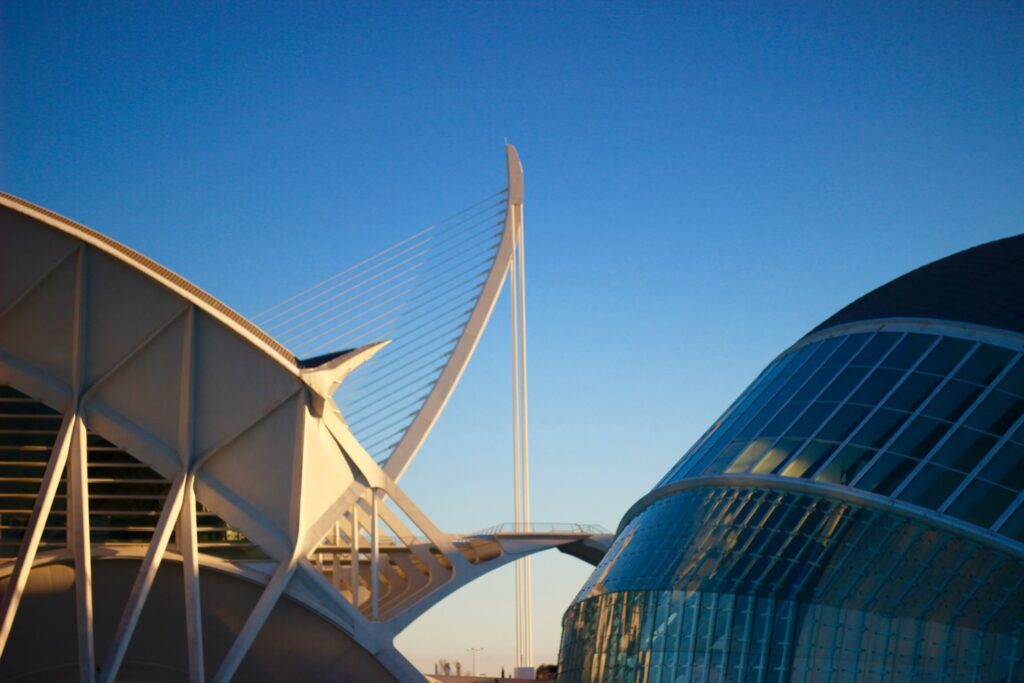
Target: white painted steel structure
{"type": "Point", "coordinates": [234, 431]}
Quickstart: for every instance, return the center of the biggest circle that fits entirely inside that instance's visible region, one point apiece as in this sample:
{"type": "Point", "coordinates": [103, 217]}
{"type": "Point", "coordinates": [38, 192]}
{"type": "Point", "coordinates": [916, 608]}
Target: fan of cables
{"type": "Point", "coordinates": [419, 293]}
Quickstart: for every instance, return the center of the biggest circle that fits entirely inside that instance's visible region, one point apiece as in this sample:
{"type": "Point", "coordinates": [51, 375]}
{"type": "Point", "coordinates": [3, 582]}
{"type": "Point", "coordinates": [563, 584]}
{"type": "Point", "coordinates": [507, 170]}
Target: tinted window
{"type": "Point", "coordinates": [810, 457]}
{"type": "Point", "coordinates": [1014, 525]}
{"type": "Point", "coordinates": [777, 455]}
{"type": "Point", "coordinates": [985, 364]}
{"type": "Point", "coordinates": [886, 474]}
{"type": "Point", "coordinates": [843, 384]}
{"type": "Point", "coordinates": [877, 385]}
{"type": "Point", "coordinates": [996, 413]}
{"type": "Point", "coordinates": [952, 400]}
{"type": "Point", "coordinates": [850, 346]}
{"type": "Point", "coordinates": [843, 422]}
{"type": "Point", "coordinates": [931, 486]}
{"type": "Point", "coordinates": [1013, 381]}
{"type": "Point", "coordinates": [944, 356]}
{"type": "Point", "coordinates": [912, 392]}
{"type": "Point", "coordinates": [1007, 466]}
{"type": "Point", "coordinates": [849, 461]}
{"type": "Point", "coordinates": [811, 420]}
{"type": "Point", "coordinates": [964, 449]}
{"type": "Point", "coordinates": [879, 427]}
{"type": "Point", "coordinates": [919, 437]}
{"type": "Point", "coordinates": [908, 351]}
{"type": "Point", "coordinates": [875, 349]}
{"type": "Point", "coordinates": [981, 503]}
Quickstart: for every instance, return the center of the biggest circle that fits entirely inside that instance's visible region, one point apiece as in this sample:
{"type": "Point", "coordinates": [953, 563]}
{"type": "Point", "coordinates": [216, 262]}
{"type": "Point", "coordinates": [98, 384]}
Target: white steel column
{"type": "Point", "coordinates": [336, 557]}
{"type": "Point", "coordinates": [188, 545]}
{"type": "Point", "coordinates": [354, 555]}
{"type": "Point", "coordinates": [78, 491]}
{"type": "Point", "coordinates": [188, 530]}
{"type": "Point", "coordinates": [258, 616]}
{"type": "Point", "coordinates": [524, 439]}
{"type": "Point", "coordinates": [516, 452]}
{"type": "Point", "coordinates": [143, 581]}
{"type": "Point", "coordinates": [36, 526]}
{"type": "Point", "coordinates": [374, 556]}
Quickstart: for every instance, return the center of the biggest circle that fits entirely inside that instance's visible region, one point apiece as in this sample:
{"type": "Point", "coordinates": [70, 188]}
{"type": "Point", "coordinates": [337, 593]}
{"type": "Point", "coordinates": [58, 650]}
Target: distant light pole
{"type": "Point", "coordinates": [474, 650]}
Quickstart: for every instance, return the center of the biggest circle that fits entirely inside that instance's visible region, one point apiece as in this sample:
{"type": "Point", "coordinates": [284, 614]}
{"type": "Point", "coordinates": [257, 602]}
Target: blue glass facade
{"type": "Point", "coordinates": [762, 585]}
{"type": "Point", "coordinates": [931, 419]}
{"type": "Point", "coordinates": [856, 515]}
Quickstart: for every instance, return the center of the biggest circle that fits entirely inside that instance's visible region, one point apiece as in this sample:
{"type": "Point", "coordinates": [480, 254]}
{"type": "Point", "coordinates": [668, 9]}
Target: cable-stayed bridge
{"type": "Point", "coordinates": [149, 430]}
{"type": "Point", "coordinates": [409, 318]}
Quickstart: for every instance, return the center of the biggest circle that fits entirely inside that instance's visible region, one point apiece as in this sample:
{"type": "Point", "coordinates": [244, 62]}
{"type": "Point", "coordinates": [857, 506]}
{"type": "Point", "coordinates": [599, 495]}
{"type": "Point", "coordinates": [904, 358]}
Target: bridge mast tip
{"type": "Point", "coordinates": [515, 174]}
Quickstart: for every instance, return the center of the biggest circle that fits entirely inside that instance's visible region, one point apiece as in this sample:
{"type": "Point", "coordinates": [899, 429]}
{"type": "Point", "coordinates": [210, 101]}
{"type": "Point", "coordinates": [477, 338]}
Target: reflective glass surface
{"type": "Point", "coordinates": [740, 584]}
{"type": "Point", "coordinates": [928, 419]}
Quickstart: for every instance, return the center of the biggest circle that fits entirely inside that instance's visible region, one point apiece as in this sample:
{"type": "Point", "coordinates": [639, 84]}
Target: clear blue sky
{"type": "Point", "coordinates": [705, 183]}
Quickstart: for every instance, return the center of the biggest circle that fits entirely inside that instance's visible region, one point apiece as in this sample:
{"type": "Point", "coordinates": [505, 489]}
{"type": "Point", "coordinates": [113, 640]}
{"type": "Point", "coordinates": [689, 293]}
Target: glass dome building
{"type": "Point", "coordinates": [857, 514]}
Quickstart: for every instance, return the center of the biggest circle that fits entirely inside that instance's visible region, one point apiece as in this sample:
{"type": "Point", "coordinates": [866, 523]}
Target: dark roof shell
{"type": "Point", "coordinates": [983, 285]}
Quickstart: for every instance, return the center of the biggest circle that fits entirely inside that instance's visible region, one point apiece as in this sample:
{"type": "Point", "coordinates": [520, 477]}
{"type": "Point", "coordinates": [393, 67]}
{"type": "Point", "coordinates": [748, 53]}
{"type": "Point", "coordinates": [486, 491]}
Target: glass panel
{"type": "Point", "coordinates": [783, 419]}
{"type": "Point", "coordinates": [754, 450]}
{"type": "Point", "coordinates": [815, 384]}
{"type": "Point", "coordinates": [1013, 382]}
{"type": "Point", "coordinates": [919, 437]}
{"type": "Point", "coordinates": [945, 356]}
{"type": "Point", "coordinates": [915, 389]}
{"type": "Point", "coordinates": [851, 345]}
{"type": "Point", "coordinates": [964, 449]}
{"type": "Point", "coordinates": [1007, 466]}
{"type": "Point", "coordinates": [879, 427]}
{"type": "Point", "coordinates": [846, 465]}
{"type": "Point", "coordinates": [931, 486]}
{"type": "Point", "coordinates": [811, 420]}
{"type": "Point", "coordinates": [985, 364]}
{"type": "Point", "coordinates": [843, 422]}
{"type": "Point", "coordinates": [952, 400]}
{"type": "Point", "coordinates": [886, 474]}
{"type": "Point", "coordinates": [843, 384]}
{"type": "Point", "coordinates": [876, 348]}
{"type": "Point", "coordinates": [815, 453]}
{"type": "Point", "coordinates": [876, 386]}
{"type": "Point", "coordinates": [908, 351]}
{"type": "Point", "coordinates": [1014, 525]}
{"type": "Point", "coordinates": [777, 455]}
{"type": "Point", "coordinates": [723, 458]}
{"type": "Point", "coordinates": [996, 413]}
{"type": "Point", "coordinates": [981, 503]}
{"type": "Point", "coordinates": [755, 425]}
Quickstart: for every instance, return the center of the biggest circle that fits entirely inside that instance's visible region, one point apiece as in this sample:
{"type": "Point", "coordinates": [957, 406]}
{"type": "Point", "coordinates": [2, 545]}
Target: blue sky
{"type": "Point", "coordinates": [705, 182]}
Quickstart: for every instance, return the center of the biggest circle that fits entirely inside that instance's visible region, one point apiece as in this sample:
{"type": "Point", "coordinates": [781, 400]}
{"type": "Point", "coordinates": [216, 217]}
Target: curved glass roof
{"type": "Point", "coordinates": [930, 416]}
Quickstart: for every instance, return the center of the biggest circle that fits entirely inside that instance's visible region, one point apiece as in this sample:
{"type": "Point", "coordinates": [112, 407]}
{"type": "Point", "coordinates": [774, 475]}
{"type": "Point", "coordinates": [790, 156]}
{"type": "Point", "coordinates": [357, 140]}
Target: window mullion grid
{"type": "Point", "coordinates": [810, 538]}
{"type": "Point", "coordinates": [957, 426]}
{"type": "Point", "coordinates": [1010, 509]}
{"type": "Point", "coordinates": [906, 423]}
{"type": "Point", "coordinates": [783, 547]}
{"type": "Point", "coordinates": [878, 406]}
{"type": "Point", "coordinates": [973, 474]}
{"type": "Point", "coordinates": [762, 536]}
{"type": "Point", "coordinates": [712, 435]}
{"type": "Point", "coordinates": [742, 551]}
{"type": "Point", "coordinates": [712, 438]}
{"type": "Point", "coordinates": [782, 466]}
{"type": "Point", "coordinates": [810, 402]}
